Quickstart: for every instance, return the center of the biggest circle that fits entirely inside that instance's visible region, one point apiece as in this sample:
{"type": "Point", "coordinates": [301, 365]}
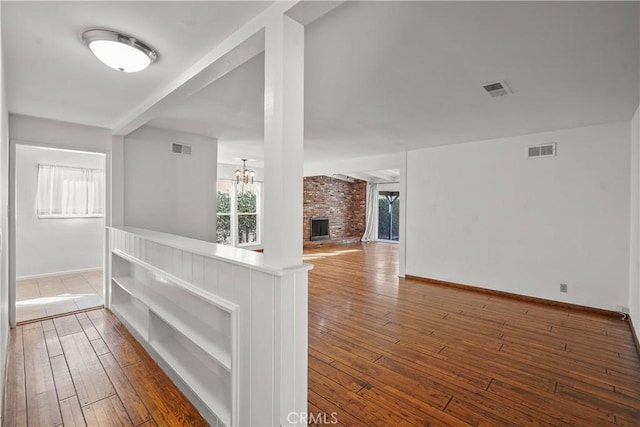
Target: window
{"type": "Point", "coordinates": [66, 192]}
{"type": "Point", "coordinates": [247, 211]}
{"type": "Point", "coordinates": [238, 214]}
{"type": "Point", "coordinates": [223, 220]}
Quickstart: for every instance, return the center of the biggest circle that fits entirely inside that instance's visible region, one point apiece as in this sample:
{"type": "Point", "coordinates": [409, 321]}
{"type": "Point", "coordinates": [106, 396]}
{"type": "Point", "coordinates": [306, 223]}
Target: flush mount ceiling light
{"type": "Point", "coordinates": [119, 51]}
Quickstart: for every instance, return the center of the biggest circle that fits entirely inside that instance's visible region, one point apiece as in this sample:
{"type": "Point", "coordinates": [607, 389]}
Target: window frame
{"type": "Point", "coordinates": [234, 214]}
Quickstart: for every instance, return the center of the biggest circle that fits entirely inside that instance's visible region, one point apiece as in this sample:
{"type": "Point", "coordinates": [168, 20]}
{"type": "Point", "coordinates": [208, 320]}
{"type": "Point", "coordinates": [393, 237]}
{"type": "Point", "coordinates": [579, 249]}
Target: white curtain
{"type": "Point", "coordinates": [69, 192]}
{"type": "Point", "coordinates": [371, 205]}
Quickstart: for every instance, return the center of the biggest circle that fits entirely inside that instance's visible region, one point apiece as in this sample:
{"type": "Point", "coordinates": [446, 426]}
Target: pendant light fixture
{"type": "Point", "coordinates": [244, 175]}
{"type": "Point", "coordinates": [119, 51]}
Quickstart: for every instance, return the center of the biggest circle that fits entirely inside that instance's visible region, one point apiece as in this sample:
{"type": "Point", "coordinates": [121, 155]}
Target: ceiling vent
{"type": "Point", "coordinates": [544, 150]}
{"type": "Point", "coordinates": [180, 149]}
{"type": "Point", "coordinates": [498, 88]}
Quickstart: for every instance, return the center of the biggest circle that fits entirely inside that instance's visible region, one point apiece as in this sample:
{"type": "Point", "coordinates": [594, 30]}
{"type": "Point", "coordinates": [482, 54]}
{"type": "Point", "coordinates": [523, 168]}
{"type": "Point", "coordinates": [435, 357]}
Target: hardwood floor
{"type": "Point", "coordinates": [382, 351]}
{"type": "Point", "coordinates": [87, 370]}
{"type": "Point", "coordinates": [387, 351]}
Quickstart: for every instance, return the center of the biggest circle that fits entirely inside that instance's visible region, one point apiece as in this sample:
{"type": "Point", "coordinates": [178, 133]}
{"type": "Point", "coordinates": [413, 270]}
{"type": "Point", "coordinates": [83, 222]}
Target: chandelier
{"type": "Point", "coordinates": [244, 175]}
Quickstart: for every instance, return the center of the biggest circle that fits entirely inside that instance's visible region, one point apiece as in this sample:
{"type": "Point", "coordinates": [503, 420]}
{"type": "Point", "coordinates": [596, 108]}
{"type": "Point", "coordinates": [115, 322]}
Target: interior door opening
{"type": "Point", "coordinates": [59, 231]}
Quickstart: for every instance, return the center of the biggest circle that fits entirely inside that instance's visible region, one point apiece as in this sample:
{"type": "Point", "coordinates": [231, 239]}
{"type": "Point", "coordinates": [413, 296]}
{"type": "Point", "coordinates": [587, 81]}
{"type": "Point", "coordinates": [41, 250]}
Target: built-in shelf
{"type": "Point", "coordinates": [129, 307]}
{"type": "Point", "coordinates": [229, 329]}
{"type": "Point", "coordinates": [204, 324]}
{"type": "Point", "coordinates": [193, 331]}
{"type": "Point", "coordinates": [198, 369]}
{"type": "Point", "coordinates": [127, 283]}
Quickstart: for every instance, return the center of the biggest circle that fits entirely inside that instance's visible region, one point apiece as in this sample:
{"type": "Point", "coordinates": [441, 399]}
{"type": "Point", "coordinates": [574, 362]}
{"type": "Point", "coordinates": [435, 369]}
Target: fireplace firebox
{"type": "Point", "coordinates": [320, 229]}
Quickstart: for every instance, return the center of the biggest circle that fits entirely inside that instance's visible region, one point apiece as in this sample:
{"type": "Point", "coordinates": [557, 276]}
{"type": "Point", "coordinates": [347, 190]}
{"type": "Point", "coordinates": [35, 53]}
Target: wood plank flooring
{"type": "Point", "coordinates": [87, 370]}
{"type": "Point", "coordinates": [388, 351]}
{"type": "Point", "coordinates": [382, 351]}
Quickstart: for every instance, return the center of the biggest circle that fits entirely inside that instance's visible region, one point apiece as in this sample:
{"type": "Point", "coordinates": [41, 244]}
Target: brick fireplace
{"type": "Point", "coordinates": [342, 202]}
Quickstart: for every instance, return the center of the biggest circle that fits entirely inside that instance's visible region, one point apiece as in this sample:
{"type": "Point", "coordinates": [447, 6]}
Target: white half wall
{"type": "Point", "coordinates": [634, 257]}
{"type": "Point", "coordinates": [483, 214]}
{"type": "Point", "coordinates": [50, 246]}
{"type": "Point", "coordinates": [168, 192]}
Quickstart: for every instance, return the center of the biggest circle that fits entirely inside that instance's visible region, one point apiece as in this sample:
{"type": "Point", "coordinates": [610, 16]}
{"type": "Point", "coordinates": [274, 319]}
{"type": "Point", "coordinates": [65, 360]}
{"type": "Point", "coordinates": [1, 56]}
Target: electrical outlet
{"type": "Point", "coordinates": [563, 287]}
{"type": "Point", "coordinates": [622, 309]}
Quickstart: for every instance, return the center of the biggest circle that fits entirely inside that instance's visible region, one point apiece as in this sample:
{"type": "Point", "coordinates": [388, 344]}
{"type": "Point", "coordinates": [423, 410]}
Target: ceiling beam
{"type": "Point", "coordinates": [244, 44]}
{"type": "Point", "coordinates": [166, 98]}
{"type": "Point", "coordinates": [305, 12]}
{"type": "Point", "coordinates": [357, 175]}
{"type": "Point", "coordinates": [342, 177]}
{"type": "Point", "coordinates": [382, 176]}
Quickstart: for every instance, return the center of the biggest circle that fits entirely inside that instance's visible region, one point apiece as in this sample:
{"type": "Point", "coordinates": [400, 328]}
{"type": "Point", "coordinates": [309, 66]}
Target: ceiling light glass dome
{"type": "Point", "coordinates": [119, 51]}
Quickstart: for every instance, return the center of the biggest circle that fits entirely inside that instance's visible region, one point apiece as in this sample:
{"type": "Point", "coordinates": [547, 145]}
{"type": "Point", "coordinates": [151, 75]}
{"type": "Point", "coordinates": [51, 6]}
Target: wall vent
{"type": "Point", "coordinates": [180, 149]}
{"type": "Point", "coordinates": [500, 88]}
{"type": "Point", "coordinates": [544, 150]}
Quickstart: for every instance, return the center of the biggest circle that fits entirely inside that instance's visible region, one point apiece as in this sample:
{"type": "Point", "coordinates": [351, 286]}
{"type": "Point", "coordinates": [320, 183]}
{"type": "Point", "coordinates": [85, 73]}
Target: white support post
{"type": "Point", "coordinates": [402, 253]}
{"type": "Point", "coordinates": [283, 140]}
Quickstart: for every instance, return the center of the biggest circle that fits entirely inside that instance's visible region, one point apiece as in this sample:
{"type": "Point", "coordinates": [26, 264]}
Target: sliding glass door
{"type": "Point", "coordinates": [388, 215]}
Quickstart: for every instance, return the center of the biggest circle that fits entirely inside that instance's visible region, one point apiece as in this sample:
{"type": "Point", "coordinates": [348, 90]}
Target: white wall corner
{"type": "Point", "coordinates": [4, 226]}
{"type": "Point", "coordinates": [634, 229]}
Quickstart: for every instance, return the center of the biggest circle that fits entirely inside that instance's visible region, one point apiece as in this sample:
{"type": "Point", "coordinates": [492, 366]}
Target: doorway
{"type": "Point", "coordinates": [389, 216]}
{"type": "Point", "coordinates": [59, 223]}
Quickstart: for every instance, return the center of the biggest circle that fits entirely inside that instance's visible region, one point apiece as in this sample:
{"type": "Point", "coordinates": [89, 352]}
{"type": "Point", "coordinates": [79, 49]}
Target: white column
{"type": "Point", "coordinates": [402, 250]}
{"type": "Point", "coordinates": [117, 180]}
{"type": "Point", "coordinates": [283, 140]}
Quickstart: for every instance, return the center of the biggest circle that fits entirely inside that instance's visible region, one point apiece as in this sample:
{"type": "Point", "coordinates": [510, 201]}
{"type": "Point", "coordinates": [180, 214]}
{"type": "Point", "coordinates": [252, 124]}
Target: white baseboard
{"type": "Point", "coordinates": [59, 273]}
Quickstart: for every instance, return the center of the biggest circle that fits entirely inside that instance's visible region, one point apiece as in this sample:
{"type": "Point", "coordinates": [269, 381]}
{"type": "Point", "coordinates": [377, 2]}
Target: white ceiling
{"type": "Point", "coordinates": [380, 77]}
{"type": "Point", "coordinates": [396, 76]}
{"type": "Point", "coordinates": [51, 74]}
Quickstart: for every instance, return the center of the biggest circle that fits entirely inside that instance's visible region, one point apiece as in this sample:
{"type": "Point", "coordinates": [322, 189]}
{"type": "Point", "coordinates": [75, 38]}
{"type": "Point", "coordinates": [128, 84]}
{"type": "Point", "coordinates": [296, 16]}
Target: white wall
{"type": "Point", "coordinates": [50, 246]}
{"type": "Point", "coordinates": [4, 227]}
{"type": "Point", "coordinates": [634, 257]}
{"type": "Point", "coordinates": [483, 214]}
{"type": "Point", "coordinates": [169, 192]}
{"type": "Point", "coordinates": [58, 134]}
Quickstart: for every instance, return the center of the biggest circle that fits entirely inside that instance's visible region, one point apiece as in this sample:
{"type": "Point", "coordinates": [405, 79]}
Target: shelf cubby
{"type": "Point", "coordinates": [130, 308]}
{"type": "Point", "coordinates": [204, 374]}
